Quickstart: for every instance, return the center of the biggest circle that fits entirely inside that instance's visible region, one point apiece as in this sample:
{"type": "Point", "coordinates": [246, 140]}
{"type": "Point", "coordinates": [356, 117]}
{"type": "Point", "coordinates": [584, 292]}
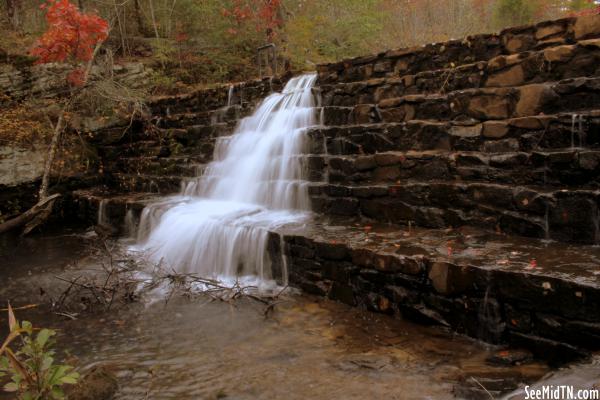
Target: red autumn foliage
{"type": "Point", "coordinates": [76, 77]}
{"type": "Point", "coordinates": [181, 37]}
{"type": "Point", "coordinates": [71, 35]}
{"type": "Point", "coordinates": [262, 13]}
{"type": "Point", "coordinates": [589, 10]}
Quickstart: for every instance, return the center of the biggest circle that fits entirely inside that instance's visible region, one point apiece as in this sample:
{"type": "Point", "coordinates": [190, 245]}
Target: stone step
{"type": "Point", "coordinates": [226, 115]}
{"type": "Point", "coordinates": [568, 215]}
{"type": "Point", "coordinates": [548, 65]}
{"type": "Point", "coordinates": [459, 52]}
{"type": "Point", "coordinates": [246, 94]}
{"type": "Point", "coordinates": [180, 166]}
{"type": "Point", "coordinates": [475, 105]}
{"type": "Point", "coordinates": [568, 167]}
{"type": "Point", "coordinates": [524, 134]}
{"type": "Point", "coordinates": [116, 207]}
{"type": "Point", "coordinates": [142, 148]}
{"type": "Point", "coordinates": [538, 294]}
{"type": "Point", "coordinates": [146, 183]}
{"type": "Point", "coordinates": [180, 143]}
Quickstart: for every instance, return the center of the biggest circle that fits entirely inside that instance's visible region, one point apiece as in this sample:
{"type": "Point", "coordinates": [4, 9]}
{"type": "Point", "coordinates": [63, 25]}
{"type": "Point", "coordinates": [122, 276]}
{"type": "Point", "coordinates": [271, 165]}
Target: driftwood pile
{"type": "Point", "coordinates": [124, 279]}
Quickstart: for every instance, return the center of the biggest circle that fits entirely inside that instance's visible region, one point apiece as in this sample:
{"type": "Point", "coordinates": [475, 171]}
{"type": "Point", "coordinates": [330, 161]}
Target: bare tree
{"type": "Point", "coordinates": [13, 9]}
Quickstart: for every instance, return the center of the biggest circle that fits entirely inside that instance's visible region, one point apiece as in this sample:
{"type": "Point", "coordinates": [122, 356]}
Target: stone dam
{"type": "Point", "coordinates": [454, 184]}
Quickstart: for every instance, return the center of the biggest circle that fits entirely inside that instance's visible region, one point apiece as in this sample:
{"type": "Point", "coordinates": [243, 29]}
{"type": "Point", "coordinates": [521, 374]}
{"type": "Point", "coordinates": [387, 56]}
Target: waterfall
{"type": "Point", "coordinates": [218, 225]}
{"type": "Point", "coordinates": [577, 128]}
{"type": "Point", "coordinates": [229, 95]}
{"type": "Point", "coordinates": [102, 218]}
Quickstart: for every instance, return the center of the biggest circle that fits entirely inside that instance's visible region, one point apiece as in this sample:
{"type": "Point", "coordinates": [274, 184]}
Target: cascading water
{"type": "Point", "coordinates": [218, 226]}
{"type": "Point", "coordinates": [229, 95]}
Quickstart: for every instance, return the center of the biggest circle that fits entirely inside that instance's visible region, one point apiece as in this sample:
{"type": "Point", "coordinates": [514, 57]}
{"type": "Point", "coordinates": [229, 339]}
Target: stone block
{"type": "Point", "coordinates": [533, 98]}
{"type": "Point", "coordinates": [489, 106]}
{"type": "Point", "coordinates": [559, 54]}
{"type": "Point", "coordinates": [587, 26]}
{"type": "Point", "coordinates": [450, 279]}
{"type": "Point", "coordinates": [332, 251]}
{"type": "Point", "coordinates": [545, 31]}
{"type": "Point", "coordinates": [343, 293]}
{"type": "Point", "coordinates": [495, 129]}
{"type": "Point", "coordinates": [513, 76]}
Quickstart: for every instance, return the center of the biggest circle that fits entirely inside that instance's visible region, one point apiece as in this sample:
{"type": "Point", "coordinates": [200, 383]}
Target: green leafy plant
{"type": "Point", "coordinates": [31, 369]}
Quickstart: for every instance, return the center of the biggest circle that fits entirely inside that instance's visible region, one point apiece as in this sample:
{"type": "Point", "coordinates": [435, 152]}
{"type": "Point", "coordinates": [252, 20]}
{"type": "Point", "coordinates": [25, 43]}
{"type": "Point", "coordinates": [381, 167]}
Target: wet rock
{"type": "Point", "coordinates": [369, 191]}
{"type": "Point", "coordinates": [343, 293]}
{"type": "Point", "coordinates": [321, 288]}
{"type": "Point", "coordinates": [378, 303]}
{"type": "Point", "coordinates": [555, 352]}
{"type": "Point", "coordinates": [301, 252]}
{"type": "Point", "coordinates": [485, 387]}
{"type": "Point", "coordinates": [331, 251]}
{"type": "Point", "coordinates": [369, 362]}
{"type": "Point", "coordinates": [510, 356]}
{"type": "Point", "coordinates": [344, 206]}
{"type": "Point", "coordinates": [365, 163]}
{"type": "Point", "coordinates": [400, 295]}
{"type": "Point", "coordinates": [579, 333]}
{"type": "Point", "coordinates": [422, 314]}
{"type": "Point", "coordinates": [339, 271]}
{"type": "Point", "coordinates": [100, 383]}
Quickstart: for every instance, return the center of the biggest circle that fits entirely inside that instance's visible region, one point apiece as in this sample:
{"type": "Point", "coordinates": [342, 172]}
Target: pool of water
{"type": "Point", "coordinates": [197, 348]}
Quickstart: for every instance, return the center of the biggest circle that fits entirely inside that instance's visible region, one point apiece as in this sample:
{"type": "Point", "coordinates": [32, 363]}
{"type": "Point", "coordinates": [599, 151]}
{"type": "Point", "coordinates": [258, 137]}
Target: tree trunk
{"type": "Point", "coordinates": [28, 215]}
{"type": "Point", "coordinates": [139, 19]}
{"type": "Point", "coordinates": [13, 9]}
{"type": "Point", "coordinates": [121, 28]}
{"type": "Point", "coordinates": [152, 15]}
{"type": "Point", "coordinates": [51, 154]}
{"type": "Point", "coordinates": [58, 131]}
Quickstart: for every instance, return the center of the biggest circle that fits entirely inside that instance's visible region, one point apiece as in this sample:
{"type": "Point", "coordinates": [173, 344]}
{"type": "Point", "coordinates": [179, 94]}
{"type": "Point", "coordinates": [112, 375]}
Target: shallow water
{"type": "Point", "coordinates": [195, 349]}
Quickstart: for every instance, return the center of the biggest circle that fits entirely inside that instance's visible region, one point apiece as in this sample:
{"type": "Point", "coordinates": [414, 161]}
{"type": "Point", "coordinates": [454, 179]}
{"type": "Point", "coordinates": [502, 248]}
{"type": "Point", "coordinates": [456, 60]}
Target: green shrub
{"type": "Point", "coordinates": [31, 369]}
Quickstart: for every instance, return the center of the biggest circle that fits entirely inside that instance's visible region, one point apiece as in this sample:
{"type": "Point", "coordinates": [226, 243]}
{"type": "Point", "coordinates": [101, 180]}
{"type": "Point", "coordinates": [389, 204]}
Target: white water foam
{"type": "Point", "coordinates": [218, 226]}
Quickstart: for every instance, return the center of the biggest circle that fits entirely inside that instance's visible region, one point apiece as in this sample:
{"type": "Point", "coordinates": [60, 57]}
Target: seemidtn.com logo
{"type": "Point", "coordinates": [560, 392]}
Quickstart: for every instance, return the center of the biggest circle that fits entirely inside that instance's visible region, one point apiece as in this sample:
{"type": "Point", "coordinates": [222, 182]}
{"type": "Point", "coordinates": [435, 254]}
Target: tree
{"type": "Point", "coordinates": [583, 7]}
{"type": "Point", "coordinates": [514, 12]}
{"type": "Point", "coordinates": [73, 37]}
{"type": "Point", "coordinates": [13, 9]}
{"type": "Point", "coordinates": [263, 14]}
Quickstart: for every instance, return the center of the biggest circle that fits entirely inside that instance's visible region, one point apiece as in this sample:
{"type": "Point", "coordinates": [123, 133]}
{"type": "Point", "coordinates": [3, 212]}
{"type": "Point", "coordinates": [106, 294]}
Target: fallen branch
{"type": "Point", "coordinates": [43, 207]}
{"type": "Point", "coordinates": [119, 282]}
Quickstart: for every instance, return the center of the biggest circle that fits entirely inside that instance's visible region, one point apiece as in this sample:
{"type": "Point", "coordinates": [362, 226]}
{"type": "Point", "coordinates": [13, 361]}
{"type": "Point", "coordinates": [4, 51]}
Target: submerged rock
{"type": "Point", "coordinates": [100, 383]}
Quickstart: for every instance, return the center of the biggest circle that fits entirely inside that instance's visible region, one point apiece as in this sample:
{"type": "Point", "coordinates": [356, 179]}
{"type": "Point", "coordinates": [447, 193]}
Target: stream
{"type": "Point", "coordinates": [309, 347]}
